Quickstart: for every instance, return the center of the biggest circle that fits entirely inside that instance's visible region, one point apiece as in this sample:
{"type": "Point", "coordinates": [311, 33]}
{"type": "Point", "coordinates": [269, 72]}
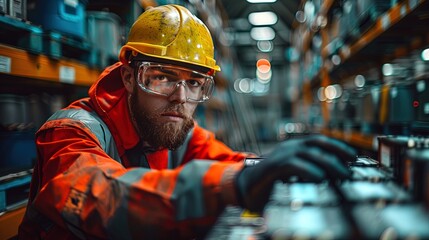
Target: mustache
{"type": "Point", "coordinates": [178, 108]}
{"type": "Point", "coordinates": [174, 108]}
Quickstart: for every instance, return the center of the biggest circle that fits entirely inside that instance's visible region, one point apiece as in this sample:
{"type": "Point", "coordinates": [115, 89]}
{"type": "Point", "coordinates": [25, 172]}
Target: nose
{"type": "Point", "coordinates": [179, 93]}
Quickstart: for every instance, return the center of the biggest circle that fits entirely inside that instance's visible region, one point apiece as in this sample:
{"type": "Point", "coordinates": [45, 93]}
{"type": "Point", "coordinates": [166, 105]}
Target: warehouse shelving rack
{"type": "Point", "coordinates": [394, 34]}
{"type": "Point", "coordinates": [26, 55]}
{"type": "Point", "coordinates": [30, 56]}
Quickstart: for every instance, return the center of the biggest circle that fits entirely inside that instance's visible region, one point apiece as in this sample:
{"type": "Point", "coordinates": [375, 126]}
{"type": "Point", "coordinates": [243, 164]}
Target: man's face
{"type": "Point", "coordinates": [162, 121]}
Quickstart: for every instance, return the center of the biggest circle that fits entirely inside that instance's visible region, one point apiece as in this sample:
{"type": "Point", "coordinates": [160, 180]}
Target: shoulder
{"type": "Point", "coordinates": [202, 134]}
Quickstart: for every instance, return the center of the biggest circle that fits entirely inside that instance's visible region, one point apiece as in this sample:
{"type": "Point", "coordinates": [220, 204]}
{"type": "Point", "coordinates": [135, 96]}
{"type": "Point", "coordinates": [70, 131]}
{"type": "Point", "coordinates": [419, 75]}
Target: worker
{"type": "Point", "coordinates": [130, 162]}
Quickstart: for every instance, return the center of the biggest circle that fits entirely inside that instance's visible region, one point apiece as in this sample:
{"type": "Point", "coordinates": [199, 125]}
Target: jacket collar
{"type": "Point", "coordinates": [109, 98]}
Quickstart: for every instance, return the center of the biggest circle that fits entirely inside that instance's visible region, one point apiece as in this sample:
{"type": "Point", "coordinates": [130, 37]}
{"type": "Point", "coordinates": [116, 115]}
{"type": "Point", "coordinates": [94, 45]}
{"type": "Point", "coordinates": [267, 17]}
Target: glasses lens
{"type": "Point", "coordinates": [164, 80]}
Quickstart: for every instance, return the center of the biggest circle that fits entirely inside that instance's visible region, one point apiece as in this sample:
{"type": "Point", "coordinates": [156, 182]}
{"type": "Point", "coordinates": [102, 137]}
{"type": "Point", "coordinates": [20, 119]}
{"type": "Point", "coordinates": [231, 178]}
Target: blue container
{"type": "Point", "coordinates": [18, 150]}
{"type": "Point", "coordinates": [63, 16]}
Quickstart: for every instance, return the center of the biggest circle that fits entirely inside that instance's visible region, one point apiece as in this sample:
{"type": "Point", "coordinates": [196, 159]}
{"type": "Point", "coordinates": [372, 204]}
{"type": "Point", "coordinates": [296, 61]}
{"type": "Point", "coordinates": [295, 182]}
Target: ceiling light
{"type": "Point", "coordinates": [261, 89]}
{"type": "Point", "coordinates": [244, 85]}
{"type": "Point", "coordinates": [300, 16]}
{"type": "Point", "coordinates": [330, 92]}
{"type": "Point", "coordinates": [262, 18]}
{"type": "Point", "coordinates": [263, 65]}
{"type": "Point", "coordinates": [261, 1]}
{"type": "Point", "coordinates": [425, 54]}
{"type": "Point", "coordinates": [359, 81]}
{"type": "Point", "coordinates": [265, 46]}
{"type": "Point", "coordinates": [262, 33]}
{"type": "Point", "coordinates": [321, 94]}
{"type": "Point", "coordinates": [264, 77]}
{"type": "Point", "coordinates": [309, 8]}
{"type": "Point", "coordinates": [387, 69]}
{"type": "Point", "coordinates": [336, 59]}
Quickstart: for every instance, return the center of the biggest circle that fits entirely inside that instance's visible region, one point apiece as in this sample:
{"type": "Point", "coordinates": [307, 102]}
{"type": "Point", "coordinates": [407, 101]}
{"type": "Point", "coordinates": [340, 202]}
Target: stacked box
{"type": "Point", "coordinates": [64, 16]}
{"type": "Point", "coordinates": [18, 9]}
{"type": "Point", "coordinates": [3, 7]}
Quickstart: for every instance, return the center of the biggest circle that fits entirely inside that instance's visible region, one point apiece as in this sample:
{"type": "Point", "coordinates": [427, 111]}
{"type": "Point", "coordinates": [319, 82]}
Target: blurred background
{"type": "Point", "coordinates": [355, 70]}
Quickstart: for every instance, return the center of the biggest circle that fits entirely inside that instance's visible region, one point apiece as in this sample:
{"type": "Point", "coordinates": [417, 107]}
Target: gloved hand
{"type": "Point", "coordinates": [311, 158]}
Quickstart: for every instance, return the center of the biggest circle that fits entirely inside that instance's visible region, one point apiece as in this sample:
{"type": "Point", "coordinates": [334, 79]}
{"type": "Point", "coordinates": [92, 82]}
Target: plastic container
{"type": "Point", "coordinates": [391, 153]}
{"type": "Point", "coordinates": [18, 9]}
{"type": "Point", "coordinates": [4, 7]}
{"type": "Point", "coordinates": [64, 16]}
{"type": "Point", "coordinates": [13, 110]}
{"type": "Point", "coordinates": [416, 174]}
{"type": "Point", "coordinates": [105, 32]}
{"type": "Point", "coordinates": [105, 35]}
{"type": "Point", "coordinates": [18, 150]}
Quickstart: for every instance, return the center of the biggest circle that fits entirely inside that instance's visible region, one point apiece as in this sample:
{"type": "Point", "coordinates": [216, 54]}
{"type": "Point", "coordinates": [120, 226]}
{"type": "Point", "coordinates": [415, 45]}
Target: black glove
{"type": "Point", "coordinates": [311, 159]}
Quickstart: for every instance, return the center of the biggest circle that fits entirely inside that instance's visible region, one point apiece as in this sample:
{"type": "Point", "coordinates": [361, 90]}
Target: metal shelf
{"type": "Point", "coordinates": [368, 142]}
{"type": "Point", "coordinates": [21, 63]}
{"type": "Point", "coordinates": [394, 34]}
{"type": "Point", "coordinates": [27, 51]}
{"type": "Point", "coordinates": [397, 33]}
{"type": "Point", "coordinates": [9, 223]}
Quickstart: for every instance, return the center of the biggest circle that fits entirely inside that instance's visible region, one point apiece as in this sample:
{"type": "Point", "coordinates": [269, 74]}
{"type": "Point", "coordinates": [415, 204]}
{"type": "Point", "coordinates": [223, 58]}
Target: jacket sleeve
{"type": "Point", "coordinates": [83, 190]}
{"type": "Point", "coordinates": [204, 145]}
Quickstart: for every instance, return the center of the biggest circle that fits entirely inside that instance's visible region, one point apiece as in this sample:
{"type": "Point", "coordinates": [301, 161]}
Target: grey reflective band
{"type": "Point", "coordinates": [188, 195]}
{"type": "Point", "coordinates": [95, 124]}
{"type": "Point", "coordinates": [118, 226]}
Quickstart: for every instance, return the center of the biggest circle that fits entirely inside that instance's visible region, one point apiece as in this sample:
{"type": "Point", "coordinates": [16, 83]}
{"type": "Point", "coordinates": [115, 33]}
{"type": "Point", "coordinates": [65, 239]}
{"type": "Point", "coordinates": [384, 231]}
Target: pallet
{"type": "Point", "coordinates": [20, 34]}
{"type": "Point", "coordinates": [59, 46]}
{"type": "Point", "coordinates": [14, 190]}
{"type": "Point", "coordinates": [55, 45]}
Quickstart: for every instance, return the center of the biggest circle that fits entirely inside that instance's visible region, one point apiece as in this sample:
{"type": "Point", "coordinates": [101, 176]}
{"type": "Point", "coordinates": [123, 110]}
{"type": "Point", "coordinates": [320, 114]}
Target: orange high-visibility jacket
{"type": "Point", "coordinates": [92, 182]}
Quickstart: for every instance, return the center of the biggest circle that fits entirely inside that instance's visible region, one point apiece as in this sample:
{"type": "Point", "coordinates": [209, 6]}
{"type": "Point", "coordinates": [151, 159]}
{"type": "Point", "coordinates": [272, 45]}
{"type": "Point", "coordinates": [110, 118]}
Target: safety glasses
{"type": "Point", "coordinates": [163, 79]}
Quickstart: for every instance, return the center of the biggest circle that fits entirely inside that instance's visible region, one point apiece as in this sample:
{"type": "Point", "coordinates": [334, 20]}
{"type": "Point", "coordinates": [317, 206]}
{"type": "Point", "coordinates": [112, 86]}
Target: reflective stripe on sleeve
{"type": "Point", "coordinates": [188, 193]}
{"type": "Point", "coordinates": [118, 226]}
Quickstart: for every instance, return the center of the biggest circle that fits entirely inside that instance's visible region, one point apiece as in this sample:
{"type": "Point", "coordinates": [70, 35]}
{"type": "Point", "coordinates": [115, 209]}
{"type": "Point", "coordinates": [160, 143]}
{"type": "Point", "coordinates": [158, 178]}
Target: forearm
{"type": "Point", "coordinates": [99, 197]}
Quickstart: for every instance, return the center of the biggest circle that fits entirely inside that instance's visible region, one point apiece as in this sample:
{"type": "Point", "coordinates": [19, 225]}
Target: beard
{"type": "Point", "coordinates": [157, 134]}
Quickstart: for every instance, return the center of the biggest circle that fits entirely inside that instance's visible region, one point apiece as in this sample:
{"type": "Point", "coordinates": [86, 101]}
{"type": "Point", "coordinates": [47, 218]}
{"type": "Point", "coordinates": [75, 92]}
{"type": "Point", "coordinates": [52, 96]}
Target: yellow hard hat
{"type": "Point", "coordinates": [173, 33]}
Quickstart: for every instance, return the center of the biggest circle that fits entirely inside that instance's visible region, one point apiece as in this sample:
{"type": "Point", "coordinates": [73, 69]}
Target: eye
{"type": "Point", "coordinates": [160, 77]}
{"type": "Point", "coordinates": [194, 83]}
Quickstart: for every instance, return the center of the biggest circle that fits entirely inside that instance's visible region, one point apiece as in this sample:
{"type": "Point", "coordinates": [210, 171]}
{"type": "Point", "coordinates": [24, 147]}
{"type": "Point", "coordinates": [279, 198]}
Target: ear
{"type": "Point", "coordinates": [127, 74]}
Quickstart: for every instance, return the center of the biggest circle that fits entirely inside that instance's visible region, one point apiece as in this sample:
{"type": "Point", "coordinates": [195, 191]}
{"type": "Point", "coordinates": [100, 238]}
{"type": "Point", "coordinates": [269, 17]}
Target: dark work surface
{"type": "Point", "coordinates": [369, 206]}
